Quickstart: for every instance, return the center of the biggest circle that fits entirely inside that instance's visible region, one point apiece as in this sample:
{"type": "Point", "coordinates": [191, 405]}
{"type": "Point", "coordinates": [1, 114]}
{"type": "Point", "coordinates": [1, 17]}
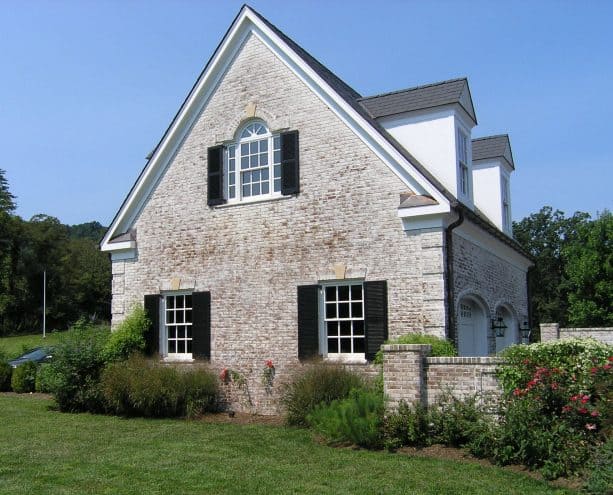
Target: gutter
{"type": "Point", "coordinates": [451, 319]}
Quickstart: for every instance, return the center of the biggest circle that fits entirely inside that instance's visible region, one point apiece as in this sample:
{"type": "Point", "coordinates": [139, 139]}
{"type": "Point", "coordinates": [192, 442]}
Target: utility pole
{"type": "Point", "coordinates": [44, 304]}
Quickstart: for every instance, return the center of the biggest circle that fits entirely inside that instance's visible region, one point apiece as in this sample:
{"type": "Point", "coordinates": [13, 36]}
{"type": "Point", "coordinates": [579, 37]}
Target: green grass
{"type": "Point", "coordinates": [14, 346]}
{"type": "Point", "coordinates": [47, 452]}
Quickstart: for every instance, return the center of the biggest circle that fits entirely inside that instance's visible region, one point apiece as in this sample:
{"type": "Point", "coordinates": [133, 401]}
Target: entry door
{"type": "Point", "coordinates": [472, 333]}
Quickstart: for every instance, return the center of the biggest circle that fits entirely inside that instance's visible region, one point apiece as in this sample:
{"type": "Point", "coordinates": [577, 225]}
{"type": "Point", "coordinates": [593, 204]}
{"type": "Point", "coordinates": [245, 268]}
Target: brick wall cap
{"type": "Point", "coordinates": [406, 348]}
{"type": "Point", "coordinates": [465, 360]}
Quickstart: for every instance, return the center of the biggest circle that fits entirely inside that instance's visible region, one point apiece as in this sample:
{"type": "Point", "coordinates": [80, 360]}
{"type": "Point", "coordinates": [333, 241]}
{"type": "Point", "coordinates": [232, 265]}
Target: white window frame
{"type": "Point", "coordinates": [232, 165]}
{"type": "Point", "coordinates": [356, 357]}
{"type": "Point", "coordinates": [164, 327]}
{"type": "Point", "coordinates": [505, 196]}
{"type": "Point", "coordinates": [464, 172]}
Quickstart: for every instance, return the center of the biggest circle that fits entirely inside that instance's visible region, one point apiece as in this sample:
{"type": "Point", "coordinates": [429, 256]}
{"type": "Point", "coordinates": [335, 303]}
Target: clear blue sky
{"type": "Point", "coordinates": [88, 88]}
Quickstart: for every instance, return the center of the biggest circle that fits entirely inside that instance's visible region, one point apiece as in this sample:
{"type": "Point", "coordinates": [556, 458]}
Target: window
{"type": "Point", "coordinates": [254, 164]}
{"type": "Point", "coordinates": [258, 165]}
{"type": "Point", "coordinates": [343, 319]}
{"type": "Point", "coordinates": [506, 206]}
{"type": "Point", "coordinates": [180, 325]}
{"type": "Point", "coordinates": [177, 330]}
{"type": "Point", "coordinates": [463, 172]}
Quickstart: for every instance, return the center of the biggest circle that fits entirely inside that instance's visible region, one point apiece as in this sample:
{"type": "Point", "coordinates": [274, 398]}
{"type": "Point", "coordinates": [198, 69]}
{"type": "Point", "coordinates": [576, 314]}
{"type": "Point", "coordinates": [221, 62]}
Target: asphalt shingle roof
{"type": "Point", "coordinates": [419, 98]}
{"type": "Point", "coordinates": [488, 147]}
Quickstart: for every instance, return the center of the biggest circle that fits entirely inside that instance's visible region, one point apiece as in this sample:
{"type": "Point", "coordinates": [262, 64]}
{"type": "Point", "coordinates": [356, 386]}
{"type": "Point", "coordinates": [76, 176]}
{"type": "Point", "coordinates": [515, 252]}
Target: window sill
{"type": "Point", "coordinates": [359, 359]}
{"type": "Point", "coordinates": [178, 359]}
{"type": "Point", "coordinates": [253, 200]}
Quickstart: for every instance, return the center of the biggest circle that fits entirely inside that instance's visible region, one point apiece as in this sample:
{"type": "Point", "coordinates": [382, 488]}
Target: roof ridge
{"type": "Point", "coordinates": [406, 90]}
{"type": "Point", "coordinates": [491, 137]}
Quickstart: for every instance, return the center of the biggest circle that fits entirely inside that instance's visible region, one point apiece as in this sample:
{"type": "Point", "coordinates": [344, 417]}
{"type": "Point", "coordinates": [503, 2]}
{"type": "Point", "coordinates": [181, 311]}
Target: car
{"type": "Point", "coordinates": [37, 355]}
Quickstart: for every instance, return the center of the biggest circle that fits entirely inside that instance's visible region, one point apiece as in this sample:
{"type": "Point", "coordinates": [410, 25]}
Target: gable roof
{"type": "Point", "coordinates": [489, 147]}
{"type": "Point", "coordinates": [421, 98]}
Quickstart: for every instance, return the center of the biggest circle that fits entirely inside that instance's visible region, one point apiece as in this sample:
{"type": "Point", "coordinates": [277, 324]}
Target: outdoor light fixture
{"type": "Point", "coordinates": [525, 333]}
{"type": "Point", "coordinates": [499, 326]}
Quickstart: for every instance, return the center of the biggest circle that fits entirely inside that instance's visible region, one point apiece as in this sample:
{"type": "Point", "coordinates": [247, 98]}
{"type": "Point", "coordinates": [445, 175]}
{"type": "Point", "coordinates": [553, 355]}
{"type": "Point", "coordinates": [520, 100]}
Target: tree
{"type": "Point", "coordinates": [589, 273]}
{"type": "Point", "coordinates": [544, 235]}
{"type": "Point", "coordinates": [7, 200]}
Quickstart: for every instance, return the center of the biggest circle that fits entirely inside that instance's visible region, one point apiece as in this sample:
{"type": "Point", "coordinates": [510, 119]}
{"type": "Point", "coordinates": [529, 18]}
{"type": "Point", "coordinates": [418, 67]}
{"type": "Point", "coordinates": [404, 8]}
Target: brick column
{"type": "Point", "coordinates": [550, 331]}
{"type": "Point", "coordinates": [404, 373]}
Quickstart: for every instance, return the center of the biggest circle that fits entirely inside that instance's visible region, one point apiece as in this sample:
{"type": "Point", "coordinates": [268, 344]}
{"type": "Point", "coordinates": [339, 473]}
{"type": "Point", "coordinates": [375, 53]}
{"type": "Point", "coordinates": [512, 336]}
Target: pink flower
{"type": "Point", "coordinates": [269, 363]}
{"type": "Point", "coordinates": [583, 410]}
{"type": "Point", "coordinates": [566, 409]}
{"type": "Point", "coordinates": [594, 414]}
{"type": "Point", "coordinates": [607, 366]}
{"type": "Point", "coordinates": [554, 386]}
{"type": "Point", "coordinates": [517, 392]}
{"type": "Point", "coordinates": [574, 398]}
{"type": "Point", "coordinates": [585, 399]}
{"type": "Point", "coordinates": [590, 426]}
{"type": "Point", "coordinates": [223, 376]}
{"type": "Point", "coordinates": [594, 370]}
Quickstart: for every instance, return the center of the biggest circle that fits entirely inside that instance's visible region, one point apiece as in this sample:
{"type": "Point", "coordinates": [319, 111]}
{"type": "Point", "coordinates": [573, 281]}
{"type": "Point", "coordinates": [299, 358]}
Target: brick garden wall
{"type": "Point", "coordinates": [553, 331]}
{"type": "Point", "coordinates": [410, 375]}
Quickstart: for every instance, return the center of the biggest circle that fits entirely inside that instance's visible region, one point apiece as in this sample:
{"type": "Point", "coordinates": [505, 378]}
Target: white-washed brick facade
{"type": "Point", "coordinates": [252, 257]}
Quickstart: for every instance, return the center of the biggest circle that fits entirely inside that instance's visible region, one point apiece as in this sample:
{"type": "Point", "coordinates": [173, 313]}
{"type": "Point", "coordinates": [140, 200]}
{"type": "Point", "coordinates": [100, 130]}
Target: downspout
{"type": "Point", "coordinates": [451, 319]}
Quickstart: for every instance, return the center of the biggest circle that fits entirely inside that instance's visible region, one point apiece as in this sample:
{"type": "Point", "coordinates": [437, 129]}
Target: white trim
{"type": "Point", "coordinates": [126, 254]}
{"type": "Point", "coordinates": [248, 23]}
{"type": "Point", "coordinates": [118, 246]}
{"type": "Point", "coordinates": [419, 211]}
{"type": "Point", "coordinates": [435, 221]}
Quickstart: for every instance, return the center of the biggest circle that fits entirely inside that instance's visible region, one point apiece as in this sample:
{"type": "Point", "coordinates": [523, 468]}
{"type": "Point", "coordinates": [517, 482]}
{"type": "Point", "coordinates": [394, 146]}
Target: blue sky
{"type": "Point", "coordinates": [88, 88]}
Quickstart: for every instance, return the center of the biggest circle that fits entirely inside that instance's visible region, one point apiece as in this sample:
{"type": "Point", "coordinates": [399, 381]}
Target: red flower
{"type": "Point", "coordinates": [610, 358]}
{"type": "Point", "coordinates": [594, 370]}
{"type": "Point", "coordinates": [566, 409]}
{"type": "Point", "coordinates": [585, 399]}
{"type": "Point", "coordinates": [554, 386]}
{"type": "Point", "coordinates": [607, 366]}
{"type": "Point", "coordinates": [269, 363]}
{"type": "Point", "coordinates": [223, 376]}
{"type": "Point", "coordinates": [583, 410]}
{"type": "Point", "coordinates": [574, 398]}
{"type": "Point", "coordinates": [526, 361]}
{"type": "Point", "coordinates": [517, 392]}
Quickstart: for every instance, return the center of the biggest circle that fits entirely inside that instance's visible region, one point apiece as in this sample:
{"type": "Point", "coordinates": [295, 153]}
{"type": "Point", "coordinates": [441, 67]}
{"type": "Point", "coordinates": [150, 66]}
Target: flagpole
{"type": "Point", "coordinates": [44, 303]}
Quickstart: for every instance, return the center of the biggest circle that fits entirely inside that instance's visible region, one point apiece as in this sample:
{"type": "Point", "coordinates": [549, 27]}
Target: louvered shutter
{"type": "Point", "coordinates": [215, 176]}
{"type": "Point", "coordinates": [375, 316]}
{"type": "Point", "coordinates": [290, 170]}
{"type": "Point", "coordinates": [152, 333]}
{"type": "Point", "coordinates": [308, 321]}
{"type": "Point", "coordinates": [201, 325]}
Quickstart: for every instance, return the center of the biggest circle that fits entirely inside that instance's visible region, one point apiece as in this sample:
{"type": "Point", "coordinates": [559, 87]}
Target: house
{"type": "Point", "coordinates": [284, 216]}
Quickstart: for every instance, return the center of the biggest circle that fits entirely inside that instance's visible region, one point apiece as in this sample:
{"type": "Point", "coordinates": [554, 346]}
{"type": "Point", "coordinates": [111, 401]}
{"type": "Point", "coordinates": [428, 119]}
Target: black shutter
{"type": "Point", "coordinates": [215, 176]}
{"type": "Point", "coordinates": [375, 316]}
{"type": "Point", "coordinates": [152, 334]}
{"type": "Point", "coordinates": [308, 321]}
{"type": "Point", "coordinates": [201, 325]}
{"type": "Point", "coordinates": [290, 171]}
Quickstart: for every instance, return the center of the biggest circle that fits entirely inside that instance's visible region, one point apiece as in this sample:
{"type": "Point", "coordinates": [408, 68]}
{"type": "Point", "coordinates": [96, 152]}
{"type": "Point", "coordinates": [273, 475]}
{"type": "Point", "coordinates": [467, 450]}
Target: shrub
{"type": "Point", "coordinates": [24, 378]}
{"type": "Point", "coordinates": [358, 419]}
{"type": "Point", "coordinates": [76, 366]}
{"type": "Point", "coordinates": [408, 425]}
{"type": "Point", "coordinates": [440, 347]}
{"type": "Point", "coordinates": [317, 383]}
{"type": "Point", "coordinates": [6, 372]}
{"type": "Point", "coordinates": [128, 337]}
{"type": "Point", "coordinates": [138, 387]}
{"type": "Point", "coordinates": [454, 421]}
{"type": "Point", "coordinates": [600, 476]}
{"type": "Point", "coordinates": [45, 378]}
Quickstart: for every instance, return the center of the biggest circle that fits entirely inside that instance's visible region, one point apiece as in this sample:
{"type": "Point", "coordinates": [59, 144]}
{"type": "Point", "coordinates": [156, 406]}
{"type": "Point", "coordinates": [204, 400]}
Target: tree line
{"type": "Point", "coordinates": [78, 273]}
{"type": "Point", "coordinates": [571, 282]}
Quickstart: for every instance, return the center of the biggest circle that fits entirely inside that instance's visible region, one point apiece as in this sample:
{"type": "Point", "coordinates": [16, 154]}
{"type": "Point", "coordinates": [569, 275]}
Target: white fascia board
{"type": "Point", "coordinates": [437, 221]}
{"type": "Point", "coordinates": [245, 24]}
{"type": "Point", "coordinates": [485, 240]}
{"type": "Point", "coordinates": [418, 211]}
{"type": "Point", "coordinates": [118, 246]}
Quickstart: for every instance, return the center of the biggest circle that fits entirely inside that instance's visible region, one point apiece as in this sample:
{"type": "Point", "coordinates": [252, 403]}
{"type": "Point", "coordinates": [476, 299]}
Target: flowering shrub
{"type": "Point", "coordinates": [268, 374]}
{"type": "Point", "coordinates": [558, 397]}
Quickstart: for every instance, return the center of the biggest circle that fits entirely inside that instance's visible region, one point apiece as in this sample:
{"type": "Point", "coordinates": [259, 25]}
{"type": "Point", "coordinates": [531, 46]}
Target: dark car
{"type": "Point", "coordinates": [38, 355]}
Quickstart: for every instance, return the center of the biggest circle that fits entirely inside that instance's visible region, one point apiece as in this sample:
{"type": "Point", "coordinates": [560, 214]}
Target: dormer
{"type": "Point", "coordinates": [434, 123]}
{"type": "Point", "coordinates": [492, 168]}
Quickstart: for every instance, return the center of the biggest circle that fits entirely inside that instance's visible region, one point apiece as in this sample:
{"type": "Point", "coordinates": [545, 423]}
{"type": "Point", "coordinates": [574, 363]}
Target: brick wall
{"type": "Point", "coordinates": [552, 331]}
{"type": "Point", "coordinates": [410, 375]}
{"type": "Point", "coordinates": [251, 257]}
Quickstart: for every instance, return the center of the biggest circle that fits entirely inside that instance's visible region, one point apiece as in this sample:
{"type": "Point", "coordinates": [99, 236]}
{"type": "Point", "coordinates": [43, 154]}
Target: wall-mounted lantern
{"type": "Point", "coordinates": [525, 333]}
{"type": "Point", "coordinates": [499, 325]}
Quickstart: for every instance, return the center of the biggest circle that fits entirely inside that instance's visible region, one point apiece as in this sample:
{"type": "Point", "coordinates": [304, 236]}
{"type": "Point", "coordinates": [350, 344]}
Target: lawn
{"type": "Point", "coordinates": [44, 451]}
{"type": "Point", "coordinates": [14, 346]}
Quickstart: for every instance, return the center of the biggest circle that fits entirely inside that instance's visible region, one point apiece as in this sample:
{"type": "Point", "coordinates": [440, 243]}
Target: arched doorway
{"type": "Point", "coordinates": [472, 328]}
{"type": "Point", "coordinates": [511, 332]}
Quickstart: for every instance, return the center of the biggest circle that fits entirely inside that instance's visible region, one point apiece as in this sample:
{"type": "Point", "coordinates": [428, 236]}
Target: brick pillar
{"type": "Point", "coordinates": [404, 373]}
{"type": "Point", "coordinates": [550, 331]}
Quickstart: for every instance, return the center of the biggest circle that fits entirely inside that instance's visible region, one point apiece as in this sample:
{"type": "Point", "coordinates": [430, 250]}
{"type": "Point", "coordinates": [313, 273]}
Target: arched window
{"type": "Point", "coordinates": [253, 163]}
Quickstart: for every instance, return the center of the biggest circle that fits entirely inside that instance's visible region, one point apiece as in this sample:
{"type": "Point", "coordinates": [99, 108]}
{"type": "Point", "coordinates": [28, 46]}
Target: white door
{"type": "Point", "coordinates": [472, 331]}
